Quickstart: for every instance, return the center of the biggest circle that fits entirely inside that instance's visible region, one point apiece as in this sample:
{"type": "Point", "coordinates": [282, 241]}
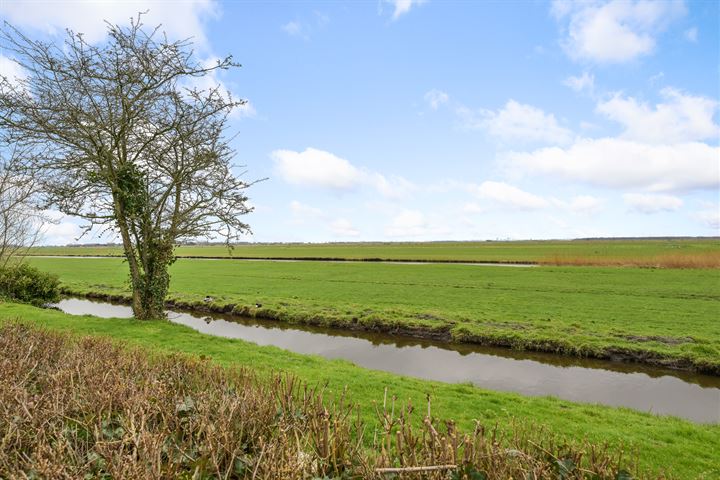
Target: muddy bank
{"type": "Point", "coordinates": [442, 333]}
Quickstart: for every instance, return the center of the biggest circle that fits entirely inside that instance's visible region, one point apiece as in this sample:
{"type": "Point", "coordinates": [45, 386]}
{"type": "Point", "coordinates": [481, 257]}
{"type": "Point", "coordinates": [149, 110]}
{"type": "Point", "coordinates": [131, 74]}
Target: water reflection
{"type": "Point", "coordinates": [692, 396]}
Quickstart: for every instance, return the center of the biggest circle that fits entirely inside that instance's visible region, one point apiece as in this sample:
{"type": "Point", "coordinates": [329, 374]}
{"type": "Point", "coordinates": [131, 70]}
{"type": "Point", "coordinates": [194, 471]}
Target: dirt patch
{"type": "Point", "coordinates": [657, 338]}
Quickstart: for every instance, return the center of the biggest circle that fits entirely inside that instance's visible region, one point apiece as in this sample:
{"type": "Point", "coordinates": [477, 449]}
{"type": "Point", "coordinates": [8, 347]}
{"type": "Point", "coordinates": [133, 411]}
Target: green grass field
{"type": "Point", "coordinates": [665, 316]}
{"type": "Point", "coordinates": [575, 251]}
{"type": "Point", "coordinates": [680, 448]}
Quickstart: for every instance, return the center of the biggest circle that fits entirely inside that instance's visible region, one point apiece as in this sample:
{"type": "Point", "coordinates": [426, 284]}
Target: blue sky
{"type": "Point", "coordinates": [454, 120]}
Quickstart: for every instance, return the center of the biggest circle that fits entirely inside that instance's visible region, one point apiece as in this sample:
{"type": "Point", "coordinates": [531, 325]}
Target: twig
{"type": "Point", "coordinates": [415, 469]}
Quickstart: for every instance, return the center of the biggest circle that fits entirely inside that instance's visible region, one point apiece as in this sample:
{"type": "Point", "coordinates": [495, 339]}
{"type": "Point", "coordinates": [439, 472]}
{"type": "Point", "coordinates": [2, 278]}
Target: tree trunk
{"type": "Point", "coordinates": [153, 283]}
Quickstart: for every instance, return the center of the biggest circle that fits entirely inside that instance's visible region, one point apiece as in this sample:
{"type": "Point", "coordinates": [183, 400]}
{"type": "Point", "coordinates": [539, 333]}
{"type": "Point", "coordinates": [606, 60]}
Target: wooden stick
{"type": "Point", "coordinates": [415, 469]}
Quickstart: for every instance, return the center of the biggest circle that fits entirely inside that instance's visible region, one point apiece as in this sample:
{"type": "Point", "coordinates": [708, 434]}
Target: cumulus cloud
{"type": "Point", "coordinates": [584, 82]}
{"type": "Point", "coordinates": [509, 196]}
{"type": "Point", "coordinates": [651, 203]}
{"type": "Point", "coordinates": [620, 163]}
{"type": "Point", "coordinates": [516, 122]}
{"type": "Point", "coordinates": [318, 168]}
{"type": "Point", "coordinates": [615, 31]}
{"type": "Point", "coordinates": [179, 20]}
{"type": "Point", "coordinates": [680, 118]}
{"type": "Point", "coordinates": [435, 98]}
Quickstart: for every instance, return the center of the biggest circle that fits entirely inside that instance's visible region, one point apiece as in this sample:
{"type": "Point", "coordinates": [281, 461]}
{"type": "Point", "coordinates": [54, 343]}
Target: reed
{"type": "Point", "coordinates": [709, 259]}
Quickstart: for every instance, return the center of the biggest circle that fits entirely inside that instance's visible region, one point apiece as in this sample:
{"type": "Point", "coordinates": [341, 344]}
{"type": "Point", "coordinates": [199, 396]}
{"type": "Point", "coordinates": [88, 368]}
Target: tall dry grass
{"type": "Point", "coordinates": [665, 260]}
{"type": "Point", "coordinates": [89, 408]}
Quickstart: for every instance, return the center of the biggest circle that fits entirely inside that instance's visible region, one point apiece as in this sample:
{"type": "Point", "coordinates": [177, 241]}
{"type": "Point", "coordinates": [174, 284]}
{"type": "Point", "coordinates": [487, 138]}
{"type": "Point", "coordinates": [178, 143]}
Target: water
{"type": "Point", "coordinates": [661, 391]}
{"type": "Point", "coordinates": [295, 260]}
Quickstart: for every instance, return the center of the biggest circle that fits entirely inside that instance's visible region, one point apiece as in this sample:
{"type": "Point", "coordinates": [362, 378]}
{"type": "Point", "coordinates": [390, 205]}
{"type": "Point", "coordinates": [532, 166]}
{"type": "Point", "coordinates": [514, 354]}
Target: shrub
{"type": "Point", "coordinates": [23, 283]}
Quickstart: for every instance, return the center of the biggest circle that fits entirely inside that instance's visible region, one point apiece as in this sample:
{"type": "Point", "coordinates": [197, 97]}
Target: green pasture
{"type": "Point", "coordinates": [520, 251]}
{"type": "Point", "coordinates": [667, 316]}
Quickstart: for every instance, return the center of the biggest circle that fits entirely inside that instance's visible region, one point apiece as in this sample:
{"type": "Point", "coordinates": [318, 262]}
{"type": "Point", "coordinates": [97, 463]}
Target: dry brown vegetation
{"type": "Point", "coordinates": [665, 260]}
{"type": "Point", "coordinates": [88, 408]}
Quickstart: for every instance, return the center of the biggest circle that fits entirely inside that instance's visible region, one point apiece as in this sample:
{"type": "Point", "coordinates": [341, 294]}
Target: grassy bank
{"type": "Point", "coordinates": [89, 408]}
{"type": "Point", "coordinates": [659, 316]}
{"type": "Point", "coordinates": [678, 447]}
{"type": "Point", "coordinates": [681, 253]}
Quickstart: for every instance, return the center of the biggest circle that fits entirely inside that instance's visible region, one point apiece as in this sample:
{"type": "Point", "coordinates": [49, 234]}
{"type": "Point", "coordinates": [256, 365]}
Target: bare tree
{"type": "Point", "coordinates": [20, 219]}
{"type": "Point", "coordinates": [124, 142]}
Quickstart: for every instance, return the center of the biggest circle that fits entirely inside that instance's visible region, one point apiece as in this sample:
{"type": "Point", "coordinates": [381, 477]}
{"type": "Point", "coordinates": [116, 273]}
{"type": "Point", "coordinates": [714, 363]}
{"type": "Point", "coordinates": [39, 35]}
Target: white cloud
{"type": "Point", "coordinates": [211, 80]}
{"type": "Point", "coordinates": [318, 168]}
{"type": "Point", "coordinates": [409, 223]}
{"type": "Point", "coordinates": [321, 18]}
{"type": "Point", "coordinates": [61, 229]}
{"type": "Point", "coordinates": [709, 215]}
{"type": "Point", "coordinates": [247, 109]}
{"type": "Point", "coordinates": [619, 163]}
{"type": "Point", "coordinates": [306, 215]}
{"type": "Point", "coordinates": [435, 98]}
{"type": "Point", "coordinates": [584, 82]}
{"type": "Point", "coordinates": [680, 118]}
{"type": "Point", "coordinates": [691, 34]}
{"type": "Point", "coordinates": [509, 196]}
{"type": "Point", "coordinates": [651, 203]}
{"type": "Point", "coordinates": [472, 207]}
{"type": "Point", "coordinates": [615, 31]}
{"type": "Point", "coordinates": [655, 79]}
{"type": "Point", "coordinates": [303, 212]}
{"type": "Point", "coordinates": [179, 20]}
{"type": "Point", "coordinates": [394, 187]}
{"type": "Point", "coordinates": [342, 227]}
{"type": "Point", "coordinates": [517, 122]}
{"type": "Point", "coordinates": [60, 233]}
{"type": "Point", "coordinates": [305, 28]}
{"type": "Point", "coordinates": [582, 204]}
{"type": "Point", "coordinates": [11, 70]}
{"type": "Point", "coordinates": [293, 28]}
{"type": "Point", "coordinates": [401, 7]}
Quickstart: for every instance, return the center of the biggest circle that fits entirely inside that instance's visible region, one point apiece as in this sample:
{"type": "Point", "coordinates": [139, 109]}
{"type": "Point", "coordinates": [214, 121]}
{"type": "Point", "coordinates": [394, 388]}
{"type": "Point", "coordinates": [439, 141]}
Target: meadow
{"type": "Point", "coordinates": [685, 253]}
{"type": "Point", "coordinates": [658, 316]}
{"type": "Point", "coordinates": [664, 445]}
